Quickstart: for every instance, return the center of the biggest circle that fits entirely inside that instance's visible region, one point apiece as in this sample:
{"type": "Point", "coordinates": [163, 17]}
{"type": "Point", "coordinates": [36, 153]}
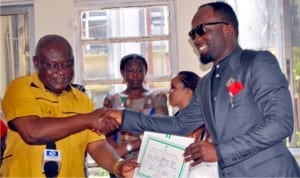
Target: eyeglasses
{"type": "Point", "coordinates": [200, 29]}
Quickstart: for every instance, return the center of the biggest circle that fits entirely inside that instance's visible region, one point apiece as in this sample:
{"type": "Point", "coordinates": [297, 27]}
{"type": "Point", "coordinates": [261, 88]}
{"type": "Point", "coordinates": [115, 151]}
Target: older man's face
{"type": "Point", "coordinates": [56, 66]}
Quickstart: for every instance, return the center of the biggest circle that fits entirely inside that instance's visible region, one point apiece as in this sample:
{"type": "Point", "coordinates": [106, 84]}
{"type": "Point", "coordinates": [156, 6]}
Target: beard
{"type": "Point", "coordinates": [206, 58]}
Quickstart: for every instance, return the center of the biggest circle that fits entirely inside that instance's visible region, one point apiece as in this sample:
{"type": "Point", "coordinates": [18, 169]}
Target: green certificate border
{"type": "Point", "coordinates": [163, 142]}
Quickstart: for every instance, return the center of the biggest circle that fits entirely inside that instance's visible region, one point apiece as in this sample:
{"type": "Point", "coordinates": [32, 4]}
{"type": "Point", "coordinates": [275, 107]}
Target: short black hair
{"type": "Point", "coordinates": [226, 13]}
{"type": "Point", "coordinates": [189, 79]}
{"type": "Point", "coordinates": [127, 58]}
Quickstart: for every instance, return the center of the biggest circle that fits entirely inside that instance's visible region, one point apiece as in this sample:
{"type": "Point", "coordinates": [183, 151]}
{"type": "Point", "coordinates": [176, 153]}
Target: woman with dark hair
{"type": "Point", "coordinates": [181, 92]}
{"type": "Point", "coordinates": [133, 68]}
{"type": "Point", "coordinates": [182, 89]}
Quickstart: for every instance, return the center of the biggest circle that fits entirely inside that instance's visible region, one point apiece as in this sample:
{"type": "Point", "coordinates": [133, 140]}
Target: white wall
{"type": "Point", "coordinates": [188, 57]}
{"type": "Point", "coordinates": [55, 17]}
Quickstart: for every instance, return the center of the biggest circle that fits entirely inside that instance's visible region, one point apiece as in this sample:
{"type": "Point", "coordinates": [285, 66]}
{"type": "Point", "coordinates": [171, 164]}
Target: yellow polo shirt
{"type": "Point", "coordinates": [28, 96]}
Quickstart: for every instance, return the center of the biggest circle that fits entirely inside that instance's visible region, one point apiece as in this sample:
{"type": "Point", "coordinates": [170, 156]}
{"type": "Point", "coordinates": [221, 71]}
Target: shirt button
{"type": "Point", "coordinates": [215, 98]}
{"type": "Point", "coordinates": [217, 75]}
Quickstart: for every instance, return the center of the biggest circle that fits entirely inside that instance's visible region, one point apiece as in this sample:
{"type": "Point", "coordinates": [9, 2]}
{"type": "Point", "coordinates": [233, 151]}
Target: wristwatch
{"type": "Point", "coordinates": [129, 147]}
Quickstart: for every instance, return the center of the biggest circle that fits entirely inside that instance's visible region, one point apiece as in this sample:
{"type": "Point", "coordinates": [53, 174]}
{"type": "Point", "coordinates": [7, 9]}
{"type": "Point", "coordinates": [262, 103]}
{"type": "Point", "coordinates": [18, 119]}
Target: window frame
{"type": "Point", "coordinates": [82, 5]}
{"type": "Point", "coordinates": [24, 7]}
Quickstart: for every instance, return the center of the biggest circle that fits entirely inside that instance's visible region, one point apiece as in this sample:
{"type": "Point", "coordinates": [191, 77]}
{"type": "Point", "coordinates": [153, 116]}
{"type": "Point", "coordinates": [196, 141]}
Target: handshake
{"type": "Point", "coordinates": [105, 120]}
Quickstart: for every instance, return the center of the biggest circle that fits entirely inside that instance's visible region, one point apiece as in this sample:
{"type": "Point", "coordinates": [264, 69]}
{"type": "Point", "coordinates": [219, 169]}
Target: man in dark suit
{"type": "Point", "coordinates": [244, 102]}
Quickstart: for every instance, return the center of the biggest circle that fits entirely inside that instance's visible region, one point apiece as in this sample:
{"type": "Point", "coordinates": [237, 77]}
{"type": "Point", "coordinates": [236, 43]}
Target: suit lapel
{"type": "Point", "coordinates": [223, 102]}
{"type": "Point", "coordinates": [207, 105]}
{"type": "Point", "coordinates": [223, 99]}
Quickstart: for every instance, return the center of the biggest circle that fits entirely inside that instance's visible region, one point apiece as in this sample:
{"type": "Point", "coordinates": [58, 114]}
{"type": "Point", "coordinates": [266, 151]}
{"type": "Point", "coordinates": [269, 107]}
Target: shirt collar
{"type": "Point", "coordinates": [222, 65]}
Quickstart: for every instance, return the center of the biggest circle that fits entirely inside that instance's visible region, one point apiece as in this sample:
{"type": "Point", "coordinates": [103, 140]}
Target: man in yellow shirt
{"type": "Point", "coordinates": [44, 107]}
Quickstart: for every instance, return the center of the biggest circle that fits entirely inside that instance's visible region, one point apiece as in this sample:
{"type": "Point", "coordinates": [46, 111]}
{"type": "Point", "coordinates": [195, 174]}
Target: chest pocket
{"type": "Point", "coordinates": [63, 105]}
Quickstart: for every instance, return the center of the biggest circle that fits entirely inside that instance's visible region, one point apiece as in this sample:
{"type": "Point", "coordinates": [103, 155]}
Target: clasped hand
{"type": "Point", "coordinates": [106, 120]}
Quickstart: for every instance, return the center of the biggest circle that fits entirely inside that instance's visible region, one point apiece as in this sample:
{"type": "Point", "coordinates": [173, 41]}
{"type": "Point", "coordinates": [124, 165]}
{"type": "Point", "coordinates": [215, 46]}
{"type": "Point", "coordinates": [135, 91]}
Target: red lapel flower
{"type": "Point", "coordinates": [233, 87]}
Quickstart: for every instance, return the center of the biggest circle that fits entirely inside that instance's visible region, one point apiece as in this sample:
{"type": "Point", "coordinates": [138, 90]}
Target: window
{"type": "Point", "coordinates": [108, 31]}
{"type": "Point", "coordinates": [15, 42]}
{"type": "Point", "coordinates": [274, 26]}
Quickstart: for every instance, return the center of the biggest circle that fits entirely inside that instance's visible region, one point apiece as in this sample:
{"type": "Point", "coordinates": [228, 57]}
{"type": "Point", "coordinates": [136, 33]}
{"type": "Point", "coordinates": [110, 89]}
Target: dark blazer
{"type": "Point", "coordinates": [248, 129]}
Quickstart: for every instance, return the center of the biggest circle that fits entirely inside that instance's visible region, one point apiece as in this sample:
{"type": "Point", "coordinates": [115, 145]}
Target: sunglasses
{"type": "Point", "coordinates": [200, 29]}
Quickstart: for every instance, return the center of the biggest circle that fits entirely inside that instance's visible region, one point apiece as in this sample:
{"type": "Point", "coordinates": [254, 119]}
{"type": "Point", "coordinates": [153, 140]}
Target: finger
{"type": "Point", "coordinates": [111, 124]}
{"type": "Point", "coordinates": [101, 111]}
{"type": "Point", "coordinates": [128, 167]}
{"type": "Point", "coordinates": [196, 162]}
{"type": "Point", "coordinates": [96, 131]}
{"type": "Point", "coordinates": [132, 165]}
{"type": "Point", "coordinates": [107, 130]}
{"type": "Point", "coordinates": [115, 123]}
{"type": "Point", "coordinates": [115, 115]}
{"type": "Point", "coordinates": [129, 172]}
{"type": "Point", "coordinates": [101, 130]}
{"type": "Point", "coordinates": [188, 158]}
{"type": "Point", "coordinates": [192, 148]}
{"type": "Point", "coordinates": [192, 153]}
{"type": "Point", "coordinates": [103, 126]}
{"type": "Point", "coordinates": [193, 156]}
{"type": "Point", "coordinates": [187, 151]}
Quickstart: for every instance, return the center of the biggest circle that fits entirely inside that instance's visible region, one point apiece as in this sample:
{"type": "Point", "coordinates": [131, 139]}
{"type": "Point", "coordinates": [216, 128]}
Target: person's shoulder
{"type": "Point", "coordinates": [78, 87]}
{"type": "Point", "coordinates": [78, 90]}
{"type": "Point", "coordinates": [80, 94]}
{"type": "Point", "coordinates": [258, 53]}
{"type": "Point", "coordinates": [266, 53]}
{"type": "Point", "coordinates": [251, 57]}
{"type": "Point", "coordinates": [264, 56]}
{"type": "Point", "coordinates": [21, 81]}
{"type": "Point", "coordinates": [265, 62]}
{"type": "Point", "coordinates": [24, 78]}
